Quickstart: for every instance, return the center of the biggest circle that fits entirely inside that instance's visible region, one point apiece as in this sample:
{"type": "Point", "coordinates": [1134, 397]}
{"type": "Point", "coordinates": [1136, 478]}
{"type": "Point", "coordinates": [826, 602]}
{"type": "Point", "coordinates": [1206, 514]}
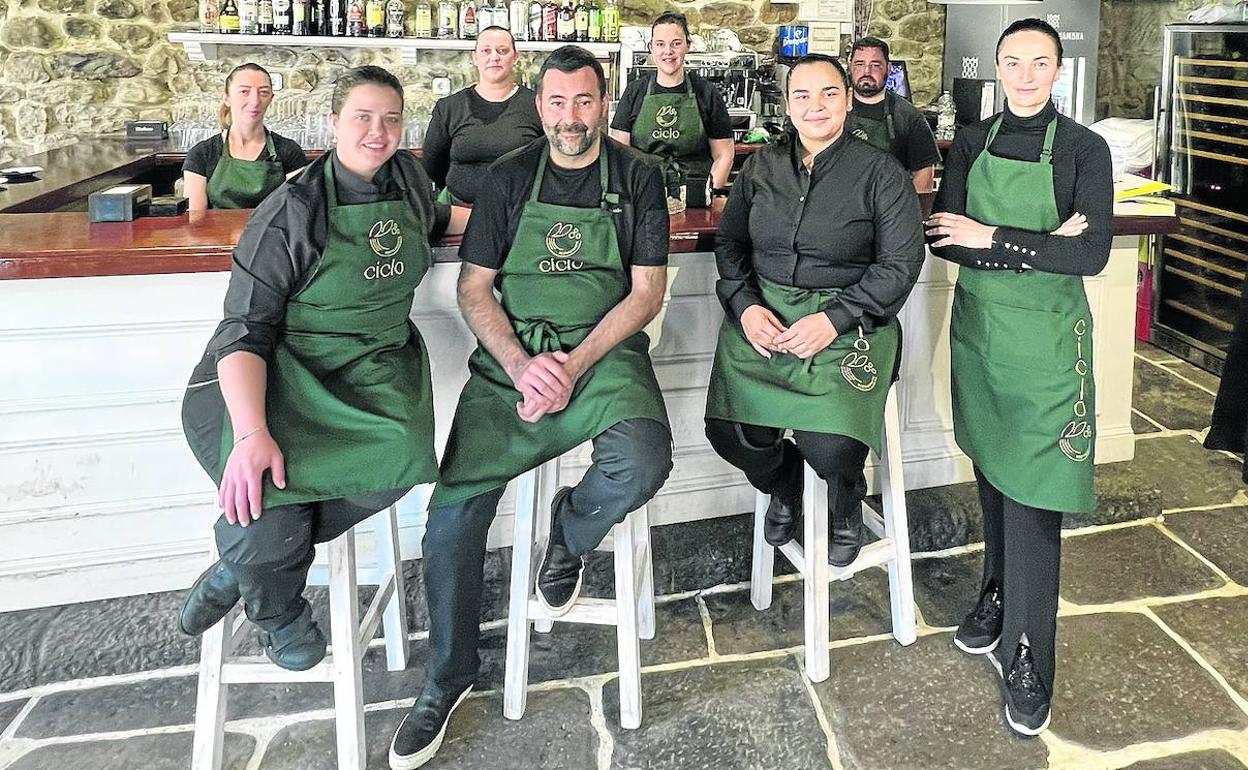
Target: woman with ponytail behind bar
{"type": "Point", "coordinates": [239, 167]}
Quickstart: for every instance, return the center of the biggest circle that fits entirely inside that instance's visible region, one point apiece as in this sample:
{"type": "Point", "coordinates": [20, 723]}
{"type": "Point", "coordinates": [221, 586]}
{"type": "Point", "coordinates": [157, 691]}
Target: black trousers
{"type": "Point", "coordinates": [1023, 554]}
{"type": "Point", "coordinates": [773, 465]}
{"type": "Point", "coordinates": [631, 460]}
{"type": "Point", "coordinates": [270, 556]}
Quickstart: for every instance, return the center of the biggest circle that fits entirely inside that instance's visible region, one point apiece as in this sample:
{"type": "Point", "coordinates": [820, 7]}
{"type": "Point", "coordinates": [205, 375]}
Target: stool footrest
{"type": "Point", "coordinates": [601, 612]}
{"type": "Point", "coordinates": [872, 555]}
{"type": "Point", "coordinates": [262, 671]}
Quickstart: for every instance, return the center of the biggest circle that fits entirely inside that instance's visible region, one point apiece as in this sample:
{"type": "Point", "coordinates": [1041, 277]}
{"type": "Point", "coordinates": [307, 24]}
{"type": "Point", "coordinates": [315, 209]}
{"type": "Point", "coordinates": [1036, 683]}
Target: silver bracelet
{"type": "Point", "coordinates": [248, 434]}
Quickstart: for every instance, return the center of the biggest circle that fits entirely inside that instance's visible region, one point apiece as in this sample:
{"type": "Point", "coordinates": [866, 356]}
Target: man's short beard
{"type": "Point", "coordinates": [579, 148]}
{"type": "Point", "coordinates": [868, 92]}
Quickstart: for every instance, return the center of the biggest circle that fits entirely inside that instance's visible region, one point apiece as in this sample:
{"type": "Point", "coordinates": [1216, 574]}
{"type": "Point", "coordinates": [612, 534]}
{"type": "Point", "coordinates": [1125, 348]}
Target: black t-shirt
{"type": "Point", "coordinates": [467, 133]}
{"type": "Point", "coordinates": [852, 222]}
{"type": "Point", "coordinates": [913, 145]}
{"type": "Point", "coordinates": [281, 246]}
{"type": "Point", "coordinates": [202, 159]}
{"type": "Point", "coordinates": [1083, 182]}
{"type": "Point", "coordinates": [711, 107]}
{"type": "Point", "coordinates": [641, 222]}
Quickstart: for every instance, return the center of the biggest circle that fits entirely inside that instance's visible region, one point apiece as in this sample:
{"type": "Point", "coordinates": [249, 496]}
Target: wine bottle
{"type": "Point", "coordinates": [396, 15]}
{"type": "Point", "coordinates": [424, 19]}
{"type": "Point", "coordinates": [375, 18]}
{"type": "Point", "coordinates": [264, 17]}
{"type": "Point", "coordinates": [281, 17]}
{"type": "Point", "coordinates": [228, 21]}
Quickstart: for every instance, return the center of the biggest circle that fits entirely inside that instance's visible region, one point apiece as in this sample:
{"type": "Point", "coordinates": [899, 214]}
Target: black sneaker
{"type": "Point", "coordinates": [297, 646]}
{"type": "Point", "coordinates": [421, 732]}
{"type": "Point", "coordinates": [1027, 704]}
{"type": "Point", "coordinates": [782, 519]}
{"type": "Point", "coordinates": [559, 576]}
{"type": "Point", "coordinates": [211, 598]}
{"type": "Point", "coordinates": [980, 632]}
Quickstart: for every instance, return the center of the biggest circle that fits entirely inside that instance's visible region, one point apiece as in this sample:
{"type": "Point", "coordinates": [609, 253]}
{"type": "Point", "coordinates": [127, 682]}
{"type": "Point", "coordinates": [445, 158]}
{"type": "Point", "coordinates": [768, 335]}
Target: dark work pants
{"type": "Point", "coordinates": [1023, 554]}
{"type": "Point", "coordinates": [631, 460]}
{"type": "Point", "coordinates": [270, 556]}
{"type": "Point", "coordinates": [773, 464]}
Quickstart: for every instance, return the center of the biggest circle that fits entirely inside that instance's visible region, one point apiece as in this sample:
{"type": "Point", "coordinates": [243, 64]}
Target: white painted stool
{"type": "Point", "coordinates": [893, 549]}
{"type": "Point", "coordinates": [631, 611]}
{"type": "Point", "coordinates": [349, 638]}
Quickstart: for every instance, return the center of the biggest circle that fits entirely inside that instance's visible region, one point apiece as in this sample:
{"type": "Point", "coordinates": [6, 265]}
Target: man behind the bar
{"type": "Point", "coordinates": [887, 121]}
{"type": "Point", "coordinates": [573, 232]}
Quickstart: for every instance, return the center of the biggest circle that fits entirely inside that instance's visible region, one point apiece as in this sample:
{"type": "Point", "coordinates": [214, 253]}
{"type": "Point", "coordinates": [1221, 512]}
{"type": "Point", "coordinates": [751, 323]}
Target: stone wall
{"type": "Point", "coordinates": [1130, 53]}
{"type": "Point", "coordinates": [70, 68]}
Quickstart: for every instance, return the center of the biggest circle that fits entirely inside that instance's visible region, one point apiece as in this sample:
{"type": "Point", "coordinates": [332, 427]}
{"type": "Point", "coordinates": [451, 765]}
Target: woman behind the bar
{"type": "Point", "coordinates": [477, 125]}
{"type": "Point", "coordinates": [311, 408]}
{"type": "Point", "coordinates": [238, 168]}
{"type": "Point", "coordinates": [1025, 209]}
{"type": "Point", "coordinates": [820, 243]}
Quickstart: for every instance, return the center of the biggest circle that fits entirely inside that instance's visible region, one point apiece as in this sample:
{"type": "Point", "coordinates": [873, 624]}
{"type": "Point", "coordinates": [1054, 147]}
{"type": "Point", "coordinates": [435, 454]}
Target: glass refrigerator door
{"type": "Point", "coordinates": [1206, 160]}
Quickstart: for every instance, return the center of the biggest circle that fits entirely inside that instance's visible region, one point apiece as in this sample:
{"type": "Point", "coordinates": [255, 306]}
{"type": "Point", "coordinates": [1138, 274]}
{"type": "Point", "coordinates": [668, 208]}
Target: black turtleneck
{"type": "Point", "coordinates": [852, 222]}
{"type": "Point", "coordinates": [1082, 182]}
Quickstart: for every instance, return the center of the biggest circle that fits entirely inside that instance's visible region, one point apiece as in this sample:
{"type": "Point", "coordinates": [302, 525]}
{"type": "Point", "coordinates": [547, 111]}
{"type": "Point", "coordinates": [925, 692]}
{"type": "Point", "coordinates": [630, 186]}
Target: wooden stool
{"type": "Point", "coordinates": [349, 637]}
{"type": "Point", "coordinates": [893, 549]}
{"type": "Point", "coordinates": [631, 611]}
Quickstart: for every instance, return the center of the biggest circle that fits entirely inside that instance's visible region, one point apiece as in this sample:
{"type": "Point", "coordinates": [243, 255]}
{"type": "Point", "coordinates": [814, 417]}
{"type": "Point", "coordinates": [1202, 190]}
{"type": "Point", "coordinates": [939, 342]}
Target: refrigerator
{"type": "Point", "coordinates": [971, 33]}
{"type": "Point", "coordinates": [1202, 150]}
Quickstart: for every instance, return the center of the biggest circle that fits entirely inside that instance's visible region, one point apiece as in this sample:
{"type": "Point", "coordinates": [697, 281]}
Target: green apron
{"type": "Point", "coordinates": [1021, 344]}
{"type": "Point", "coordinates": [242, 184]}
{"type": "Point", "coordinates": [841, 389]}
{"type": "Point", "coordinates": [349, 397]}
{"type": "Point", "coordinates": [670, 125]}
{"type": "Point", "coordinates": [561, 276]}
{"type": "Point", "coordinates": [877, 133]}
{"type": "Point", "coordinates": [446, 196]}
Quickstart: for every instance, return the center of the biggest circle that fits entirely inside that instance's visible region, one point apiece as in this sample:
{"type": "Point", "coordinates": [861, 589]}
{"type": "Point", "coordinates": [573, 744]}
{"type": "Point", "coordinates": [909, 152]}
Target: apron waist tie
{"type": "Point", "coordinates": [538, 335]}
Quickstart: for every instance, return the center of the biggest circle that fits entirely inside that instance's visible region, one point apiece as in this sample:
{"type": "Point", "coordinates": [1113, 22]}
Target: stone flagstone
{"type": "Point", "coordinates": [9, 710]}
{"type": "Point", "coordinates": [148, 752]}
{"type": "Point", "coordinates": [1144, 563]}
{"type": "Point", "coordinates": [1218, 535]}
{"type": "Point", "coordinates": [1196, 760]}
{"type": "Point", "coordinates": [1218, 630]}
{"type": "Point", "coordinates": [1179, 469]}
{"type": "Point", "coordinates": [946, 589]}
{"type": "Point", "coordinates": [1169, 400]}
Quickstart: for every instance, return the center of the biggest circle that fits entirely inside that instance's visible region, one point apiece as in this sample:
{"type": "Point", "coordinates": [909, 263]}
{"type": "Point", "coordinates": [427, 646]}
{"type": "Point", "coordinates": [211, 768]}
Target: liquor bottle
{"type": "Point", "coordinates": [228, 21]}
{"type": "Point", "coordinates": [581, 20]}
{"type": "Point", "coordinates": [355, 19]}
{"type": "Point", "coordinates": [550, 20]}
{"type": "Point", "coordinates": [566, 28]}
{"type": "Point", "coordinates": [595, 22]}
{"type": "Point", "coordinates": [448, 19]}
{"type": "Point", "coordinates": [502, 17]}
{"type": "Point", "coordinates": [335, 22]}
{"type": "Point", "coordinates": [314, 17]}
{"type": "Point", "coordinates": [264, 17]}
{"type": "Point", "coordinates": [247, 17]}
{"type": "Point", "coordinates": [281, 17]}
{"type": "Point", "coordinates": [424, 19]}
{"type": "Point", "coordinates": [485, 15]}
{"type": "Point", "coordinates": [209, 13]}
{"type": "Point", "coordinates": [518, 19]}
{"type": "Point", "coordinates": [535, 20]}
{"type": "Point", "coordinates": [468, 20]}
{"type": "Point", "coordinates": [611, 22]}
{"type": "Point", "coordinates": [299, 13]}
{"type": "Point", "coordinates": [395, 16]}
{"type": "Point", "coordinates": [375, 18]}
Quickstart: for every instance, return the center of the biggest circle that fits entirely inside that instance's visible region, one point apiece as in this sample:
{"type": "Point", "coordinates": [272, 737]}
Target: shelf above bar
{"type": "Point", "coordinates": [202, 46]}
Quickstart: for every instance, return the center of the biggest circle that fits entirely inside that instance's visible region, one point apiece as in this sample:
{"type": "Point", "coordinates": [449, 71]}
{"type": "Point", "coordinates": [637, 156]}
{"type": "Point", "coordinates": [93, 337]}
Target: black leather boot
{"type": "Point", "coordinates": [298, 645]}
{"type": "Point", "coordinates": [212, 596]}
{"type": "Point", "coordinates": [845, 528]}
{"type": "Point", "coordinates": [784, 514]}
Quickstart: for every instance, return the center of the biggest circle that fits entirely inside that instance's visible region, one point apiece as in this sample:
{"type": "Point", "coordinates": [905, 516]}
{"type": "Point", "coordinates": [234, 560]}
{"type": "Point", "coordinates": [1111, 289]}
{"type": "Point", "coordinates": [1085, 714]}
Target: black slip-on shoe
{"type": "Point", "coordinates": [980, 632]}
{"type": "Point", "coordinates": [781, 522]}
{"type": "Point", "coordinates": [844, 532]}
{"type": "Point", "coordinates": [210, 599]}
{"type": "Point", "coordinates": [561, 572]}
{"type": "Point", "coordinates": [421, 732]}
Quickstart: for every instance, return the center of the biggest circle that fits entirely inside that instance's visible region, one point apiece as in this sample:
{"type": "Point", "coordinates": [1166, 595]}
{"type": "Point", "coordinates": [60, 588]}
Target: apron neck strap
{"type": "Point", "coordinates": [331, 188]}
{"type": "Point", "coordinates": [602, 173]}
{"type": "Point", "coordinates": [1046, 151]}
{"type": "Point", "coordinates": [654, 81]}
{"type": "Point", "coordinates": [270, 151]}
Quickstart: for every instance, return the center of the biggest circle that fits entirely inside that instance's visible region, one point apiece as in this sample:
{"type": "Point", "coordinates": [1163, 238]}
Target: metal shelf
{"type": "Point", "coordinates": [202, 46]}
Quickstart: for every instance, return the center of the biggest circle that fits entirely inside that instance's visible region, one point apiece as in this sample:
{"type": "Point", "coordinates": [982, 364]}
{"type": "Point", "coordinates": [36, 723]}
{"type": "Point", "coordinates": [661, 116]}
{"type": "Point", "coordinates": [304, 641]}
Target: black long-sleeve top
{"type": "Point", "coordinates": [281, 246]}
{"type": "Point", "coordinates": [1082, 182]}
{"type": "Point", "coordinates": [853, 222]}
{"type": "Point", "coordinates": [467, 133]}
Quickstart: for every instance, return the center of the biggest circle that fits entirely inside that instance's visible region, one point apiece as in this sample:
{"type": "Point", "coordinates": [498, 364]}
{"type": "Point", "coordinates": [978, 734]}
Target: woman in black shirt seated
{"type": "Point", "coordinates": [239, 167]}
{"type": "Point", "coordinates": [474, 127]}
{"type": "Point", "coordinates": [819, 246]}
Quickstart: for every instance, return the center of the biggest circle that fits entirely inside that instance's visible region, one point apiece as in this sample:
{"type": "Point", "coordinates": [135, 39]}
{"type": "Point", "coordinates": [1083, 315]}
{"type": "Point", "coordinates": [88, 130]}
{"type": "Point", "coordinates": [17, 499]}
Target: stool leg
{"type": "Point", "coordinates": [344, 613]}
{"type": "Point", "coordinates": [815, 527]}
{"type": "Point", "coordinates": [897, 526]}
{"type": "Point", "coordinates": [640, 522]}
{"type": "Point", "coordinates": [210, 701]}
{"type": "Point", "coordinates": [763, 564]}
{"type": "Point", "coordinates": [547, 485]}
{"type": "Point", "coordinates": [516, 671]}
{"type": "Point", "coordinates": [390, 568]}
{"type": "Point", "coordinates": [626, 628]}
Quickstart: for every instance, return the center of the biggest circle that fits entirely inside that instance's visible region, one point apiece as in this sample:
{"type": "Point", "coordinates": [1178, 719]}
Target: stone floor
{"type": "Point", "coordinates": [1152, 661]}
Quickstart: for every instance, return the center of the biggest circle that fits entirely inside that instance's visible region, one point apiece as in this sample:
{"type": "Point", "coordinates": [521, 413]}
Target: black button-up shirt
{"type": "Point", "coordinates": [853, 222]}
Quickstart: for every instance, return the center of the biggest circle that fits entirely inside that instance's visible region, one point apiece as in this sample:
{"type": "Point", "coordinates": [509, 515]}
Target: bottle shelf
{"type": "Point", "coordinates": [203, 46]}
